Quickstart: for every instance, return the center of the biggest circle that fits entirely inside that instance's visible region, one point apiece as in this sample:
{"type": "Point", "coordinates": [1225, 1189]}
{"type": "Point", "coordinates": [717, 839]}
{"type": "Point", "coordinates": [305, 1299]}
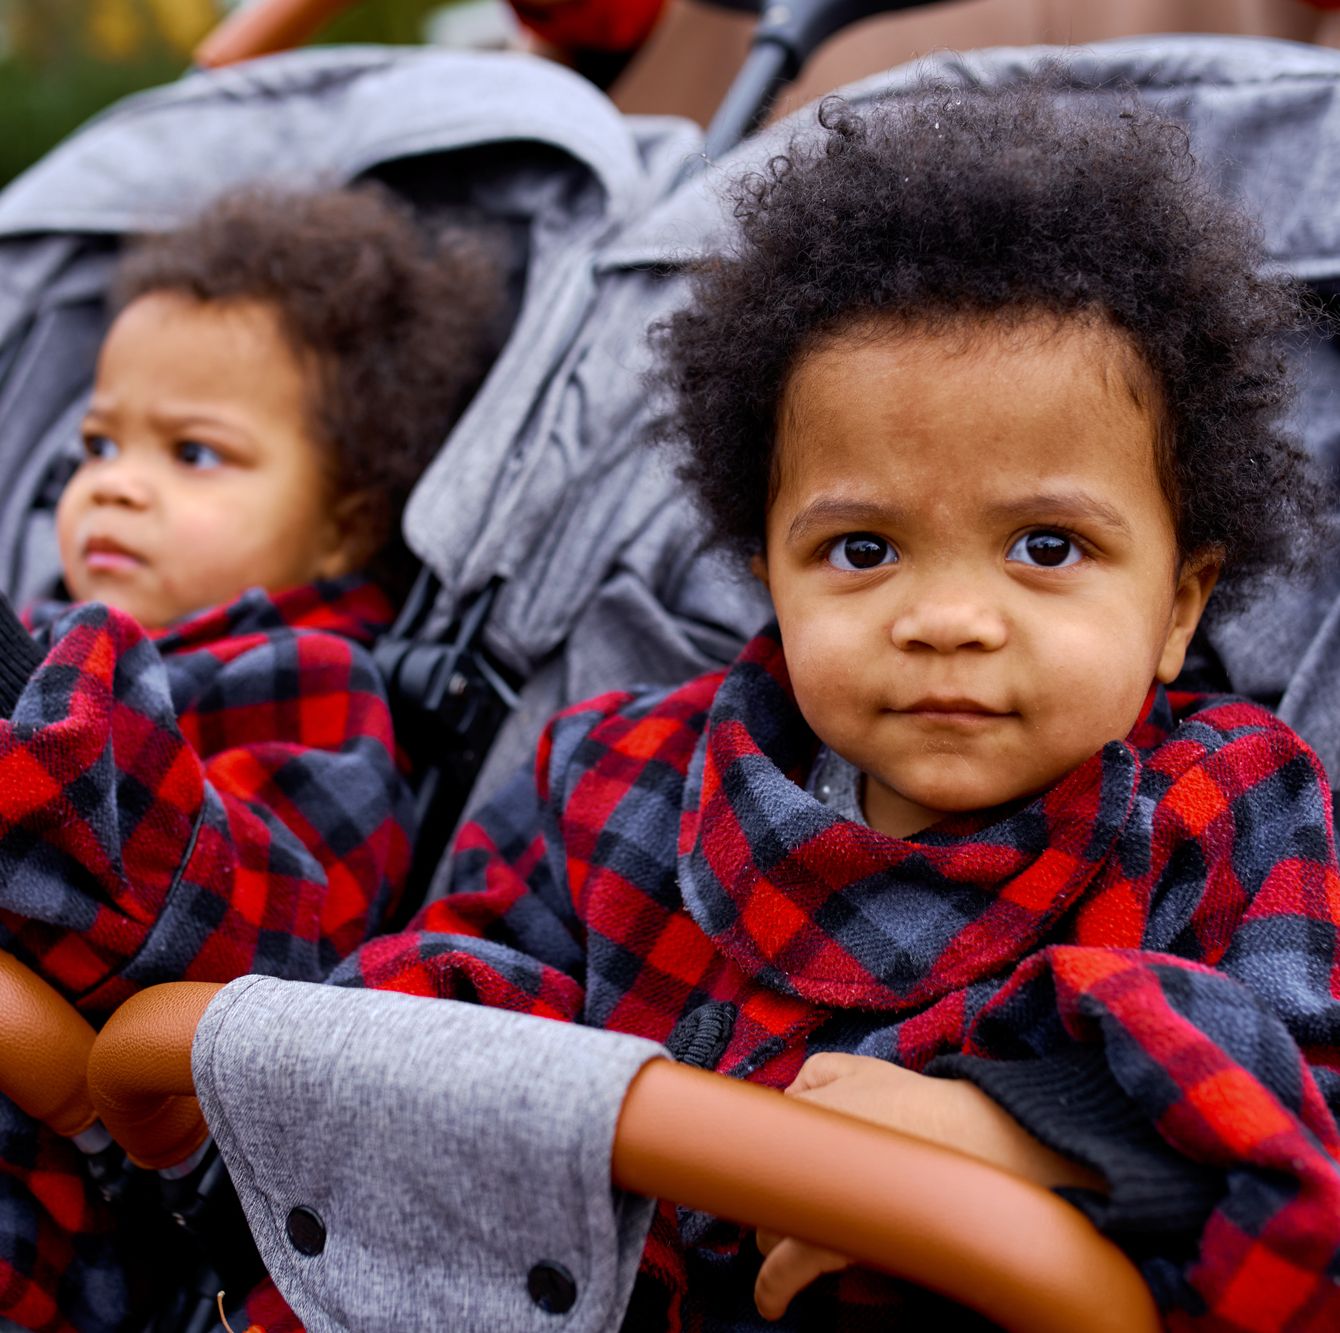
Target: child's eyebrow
{"type": "Point", "coordinates": [834, 511]}
{"type": "Point", "coordinates": [167, 418]}
{"type": "Point", "coordinates": [1062, 504]}
{"type": "Point", "coordinates": [828, 512]}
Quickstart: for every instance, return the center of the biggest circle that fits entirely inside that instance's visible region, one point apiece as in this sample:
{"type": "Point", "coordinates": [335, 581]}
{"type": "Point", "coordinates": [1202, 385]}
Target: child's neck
{"type": "Point", "coordinates": [891, 813]}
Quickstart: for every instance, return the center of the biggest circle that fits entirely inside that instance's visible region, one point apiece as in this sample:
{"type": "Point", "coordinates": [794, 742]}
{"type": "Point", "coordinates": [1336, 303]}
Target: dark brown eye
{"type": "Point", "coordinates": [1050, 550]}
{"type": "Point", "coordinates": [861, 550]}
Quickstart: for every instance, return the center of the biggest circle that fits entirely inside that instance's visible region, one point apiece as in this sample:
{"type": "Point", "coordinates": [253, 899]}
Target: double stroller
{"type": "Point", "coordinates": [560, 559]}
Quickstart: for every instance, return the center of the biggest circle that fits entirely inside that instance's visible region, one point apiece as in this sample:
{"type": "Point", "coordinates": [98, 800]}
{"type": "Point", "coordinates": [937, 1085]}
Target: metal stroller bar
{"type": "Point", "coordinates": [788, 33]}
{"type": "Point", "coordinates": [1010, 1249]}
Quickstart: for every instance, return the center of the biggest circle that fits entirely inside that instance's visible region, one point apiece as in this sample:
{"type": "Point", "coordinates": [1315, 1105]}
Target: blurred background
{"type": "Point", "coordinates": [63, 60]}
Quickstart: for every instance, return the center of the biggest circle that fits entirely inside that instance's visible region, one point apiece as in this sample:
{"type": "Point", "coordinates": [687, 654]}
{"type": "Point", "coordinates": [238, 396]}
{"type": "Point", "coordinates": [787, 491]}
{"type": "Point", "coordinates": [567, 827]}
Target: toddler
{"type": "Point", "coordinates": [988, 392]}
{"type": "Point", "coordinates": [198, 770]}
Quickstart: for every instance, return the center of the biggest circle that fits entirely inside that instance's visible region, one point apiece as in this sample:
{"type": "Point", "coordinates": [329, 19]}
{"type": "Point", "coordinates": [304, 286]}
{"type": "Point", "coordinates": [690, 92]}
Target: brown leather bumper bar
{"type": "Point", "coordinates": [139, 1073]}
{"type": "Point", "coordinates": [989, 1240]}
{"type": "Point", "coordinates": [1001, 1245]}
{"type": "Point", "coordinates": [44, 1047]}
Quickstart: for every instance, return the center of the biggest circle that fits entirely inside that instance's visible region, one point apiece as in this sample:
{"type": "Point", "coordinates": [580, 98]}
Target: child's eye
{"type": "Point", "coordinates": [197, 455]}
{"type": "Point", "coordinates": [99, 447]}
{"type": "Point", "coordinates": [861, 550]}
{"type": "Point", "coordinates": [1048, 550]}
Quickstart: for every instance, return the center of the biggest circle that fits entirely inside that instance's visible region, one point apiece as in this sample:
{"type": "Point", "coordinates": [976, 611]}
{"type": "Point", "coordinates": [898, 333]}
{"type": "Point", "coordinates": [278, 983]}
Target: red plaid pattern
{"type": "Point", "coordinates": [1166, 914]}
{"type": "Point", "coordinates": [220, 798]}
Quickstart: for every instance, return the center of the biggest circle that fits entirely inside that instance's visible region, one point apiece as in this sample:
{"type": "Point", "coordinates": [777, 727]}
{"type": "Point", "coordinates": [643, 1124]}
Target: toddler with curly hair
{"type": "Point", "coordinates": [198, 768]}
{"type": "Point", "coordinates": [988, 391]}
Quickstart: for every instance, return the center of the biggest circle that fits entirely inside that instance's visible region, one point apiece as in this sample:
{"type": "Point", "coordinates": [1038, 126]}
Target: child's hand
{"type": "Point", "coordinates": [947, 1111]}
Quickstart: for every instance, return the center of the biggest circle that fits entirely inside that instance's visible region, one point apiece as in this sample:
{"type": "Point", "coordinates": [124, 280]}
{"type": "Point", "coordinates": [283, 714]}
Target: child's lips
{"type": "Point", "coordinates": [104, 556]}
{"type": "Point", "coordinates": [953, 712]}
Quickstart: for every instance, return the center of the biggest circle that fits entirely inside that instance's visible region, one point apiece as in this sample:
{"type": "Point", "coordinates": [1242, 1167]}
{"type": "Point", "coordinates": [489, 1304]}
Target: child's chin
{"type": "Point", "coordinates": [138, 609]}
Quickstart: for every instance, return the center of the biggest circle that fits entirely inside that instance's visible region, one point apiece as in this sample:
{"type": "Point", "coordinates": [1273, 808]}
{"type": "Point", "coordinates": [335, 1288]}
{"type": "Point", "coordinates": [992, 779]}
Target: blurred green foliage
{"type": "Point", "coordinates": [61, 61]}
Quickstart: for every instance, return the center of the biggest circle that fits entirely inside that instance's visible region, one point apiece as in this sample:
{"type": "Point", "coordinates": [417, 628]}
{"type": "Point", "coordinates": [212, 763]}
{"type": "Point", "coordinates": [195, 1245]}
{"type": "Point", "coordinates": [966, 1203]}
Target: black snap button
{"type": "Point", "coordinates": [306, 1230]}
{"type": "Point", "coordinates": [552, 1287]}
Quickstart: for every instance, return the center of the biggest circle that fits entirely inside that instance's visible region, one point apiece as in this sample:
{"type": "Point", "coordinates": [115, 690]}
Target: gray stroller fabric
{"type": "Point", "coordinates": [456, 1160]}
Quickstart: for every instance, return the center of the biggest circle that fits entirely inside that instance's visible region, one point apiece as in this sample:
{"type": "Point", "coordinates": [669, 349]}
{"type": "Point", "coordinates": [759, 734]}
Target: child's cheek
{"type": "Point", "coordinates": [823, 656]}
{"type": "Point", "coordinates": [1091, 681]}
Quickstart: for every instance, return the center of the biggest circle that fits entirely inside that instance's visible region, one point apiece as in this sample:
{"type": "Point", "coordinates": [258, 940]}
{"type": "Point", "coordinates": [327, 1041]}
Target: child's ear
{"type": "Point", "coordinates": [758, 567]}
{"type": "Point", "coordinates": [1194, 586]}
{"type": "Point", "coordinates": [349, 543]}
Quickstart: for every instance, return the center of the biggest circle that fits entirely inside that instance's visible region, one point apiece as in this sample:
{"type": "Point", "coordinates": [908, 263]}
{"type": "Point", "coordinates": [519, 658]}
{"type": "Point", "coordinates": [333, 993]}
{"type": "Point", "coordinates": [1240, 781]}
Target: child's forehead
{"type": "Point", "coordinates": [972, 406]}
{"type": "Point", "coordinates": [1025, 361]}
{"type": "Point", "coordinates": [1086, 343]}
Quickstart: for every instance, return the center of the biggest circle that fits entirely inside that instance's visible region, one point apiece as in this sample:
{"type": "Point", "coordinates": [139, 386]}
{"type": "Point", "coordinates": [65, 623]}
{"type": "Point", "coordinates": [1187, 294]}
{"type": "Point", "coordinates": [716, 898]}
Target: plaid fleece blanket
{"type": "Point", "coordinates": [1155, 937]}
{"type": "Point", "coordinates": [218, 798]}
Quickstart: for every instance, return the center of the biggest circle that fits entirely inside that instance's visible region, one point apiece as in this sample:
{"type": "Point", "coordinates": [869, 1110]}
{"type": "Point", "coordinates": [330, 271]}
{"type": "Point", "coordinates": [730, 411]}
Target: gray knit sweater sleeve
{"type": "Point", "coordinates": [448, 1166]}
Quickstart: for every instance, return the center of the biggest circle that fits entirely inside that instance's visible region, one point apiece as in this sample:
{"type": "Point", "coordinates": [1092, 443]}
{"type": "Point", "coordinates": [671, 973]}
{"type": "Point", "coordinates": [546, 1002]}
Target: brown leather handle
{"type": "Point", "coordinates": [264, 27]}
{"type": "Point", "coordinates": [1005, 1247]}
{"type": "Point", "coordinates": [139, 1073]}
{"type": "Point", "coordinates": [1001, 1245]}
{"type": "Point", "coordinates": [44, 1046]}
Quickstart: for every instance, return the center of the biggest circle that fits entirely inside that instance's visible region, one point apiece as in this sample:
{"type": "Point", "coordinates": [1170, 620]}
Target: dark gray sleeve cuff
{"type": "Point", "coordinates": [19, 657]}
{"type": "Point", "coordinates": [1074, 1105]}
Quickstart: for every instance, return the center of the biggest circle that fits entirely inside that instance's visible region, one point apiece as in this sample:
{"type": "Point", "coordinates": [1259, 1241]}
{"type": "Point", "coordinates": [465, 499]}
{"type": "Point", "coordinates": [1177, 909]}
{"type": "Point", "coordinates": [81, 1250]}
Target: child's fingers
{"type": "Point", "coordinates": [790, 1267]}
{"type": "Point", "coordinates": [767, 1241]}
{"type": "Point", "coordinates": [820, 1070]}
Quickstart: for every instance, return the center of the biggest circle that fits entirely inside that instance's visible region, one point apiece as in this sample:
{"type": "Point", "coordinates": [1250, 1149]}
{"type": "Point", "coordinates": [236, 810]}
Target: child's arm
{"type": "Point", "coordinates": [941, 1110]}
{"type": "Point", "coordinates": [265, 830]}
{"type": "Point", "coordinates": [509, 934]}
{"type": "Point", "coordinates": [948, 1111]}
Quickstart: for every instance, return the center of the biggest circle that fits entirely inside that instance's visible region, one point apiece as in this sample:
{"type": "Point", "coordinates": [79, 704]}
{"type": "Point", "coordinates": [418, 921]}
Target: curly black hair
{"type": "Point", "coordinates": [943, 203]}
{"type": "Point", "coordinates": [399, 319]}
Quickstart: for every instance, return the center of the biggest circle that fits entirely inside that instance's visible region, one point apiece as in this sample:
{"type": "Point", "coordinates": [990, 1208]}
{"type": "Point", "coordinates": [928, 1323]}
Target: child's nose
{"type": "Point", "coordinates": [118, 482]}
{"type": "Point", "coordinates": [949, 625]}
